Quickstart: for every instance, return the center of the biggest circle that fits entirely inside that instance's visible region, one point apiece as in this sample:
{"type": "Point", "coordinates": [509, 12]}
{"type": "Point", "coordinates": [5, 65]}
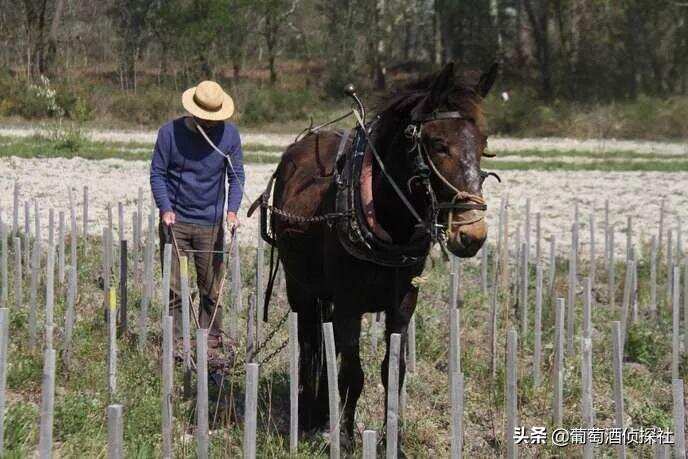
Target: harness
{"type": "Point", "coordinates": [351, 225]}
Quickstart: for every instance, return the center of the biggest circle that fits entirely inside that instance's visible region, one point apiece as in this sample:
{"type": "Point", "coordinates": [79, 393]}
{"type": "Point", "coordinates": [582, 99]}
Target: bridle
{"type": "Point", "coordinates": [461, 201]}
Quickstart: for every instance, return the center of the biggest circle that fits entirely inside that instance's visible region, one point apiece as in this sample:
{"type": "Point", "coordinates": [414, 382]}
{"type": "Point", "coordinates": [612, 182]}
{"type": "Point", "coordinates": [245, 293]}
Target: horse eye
{"type": "Point", "coordinates": [438, 146]}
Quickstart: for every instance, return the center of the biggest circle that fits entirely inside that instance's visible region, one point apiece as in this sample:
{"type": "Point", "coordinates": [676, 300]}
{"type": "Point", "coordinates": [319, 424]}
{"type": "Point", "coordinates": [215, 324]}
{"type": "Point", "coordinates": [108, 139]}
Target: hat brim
{"type": "Point", "coordinates": [226, 110]}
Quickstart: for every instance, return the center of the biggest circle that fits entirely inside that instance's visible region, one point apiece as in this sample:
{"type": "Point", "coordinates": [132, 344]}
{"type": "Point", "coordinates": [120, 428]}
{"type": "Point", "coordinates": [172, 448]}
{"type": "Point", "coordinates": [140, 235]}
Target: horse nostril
{"type": "Point", "coordinates": [466, 240]}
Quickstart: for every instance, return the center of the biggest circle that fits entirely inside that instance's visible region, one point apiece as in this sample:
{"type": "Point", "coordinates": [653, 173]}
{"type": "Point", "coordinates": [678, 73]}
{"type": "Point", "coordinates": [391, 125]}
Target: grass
{"type": "Point", "coordinates": [80, 428]}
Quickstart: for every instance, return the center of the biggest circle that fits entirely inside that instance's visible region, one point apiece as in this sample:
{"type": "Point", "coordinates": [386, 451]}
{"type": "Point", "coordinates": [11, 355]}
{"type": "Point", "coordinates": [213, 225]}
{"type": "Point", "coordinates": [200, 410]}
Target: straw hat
{"type": "Point", "coordinates": [208, 101]}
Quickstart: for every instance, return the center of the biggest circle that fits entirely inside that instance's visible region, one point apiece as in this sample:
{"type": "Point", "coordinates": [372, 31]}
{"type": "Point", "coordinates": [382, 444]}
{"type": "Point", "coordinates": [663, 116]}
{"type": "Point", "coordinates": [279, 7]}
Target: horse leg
{"type": "Point", "coordinates": [396, 321]}
{"type": "Point", "coordinates": [312, 376]}
{"type": "Point", "coordinates": [347, 332]}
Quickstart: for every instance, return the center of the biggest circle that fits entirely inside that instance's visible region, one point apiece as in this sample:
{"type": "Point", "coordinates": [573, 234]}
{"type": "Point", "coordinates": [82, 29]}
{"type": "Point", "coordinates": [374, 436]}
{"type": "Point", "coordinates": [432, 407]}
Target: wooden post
{"type": "Point", "coordinates": [633, 298]}
{"type": "Point", "coordinates": [369, 444]}
{"type": "Point", "coordinates": [18, 287]}
{"type": "Point", "coordinates": [629, 236]}
{"type": "Point", "coordinates": [676, 320]}
{"type": "Point", "coordinates": [70, 315]}
{"type": "Point", "coordinates": [611, 281]}
{"type": "Point", "coordinates": [251, 328]}
{"type": "Point", "coordinates": [37, 228]}
{"type": "Point", "coordinates": [454, 336]}
{"type": "Point", "coordinates": [606, 232]}
{"type": "Point", "coordinates": [393, 396]}
{"type": "Point", "coordinates": [115, 432]}
{"type": "Point", "coordinates": [18, 296]}
{"type": "Point", "coordinates": [135, 237]}
{"type": "Point", "coordinates": [51, 227]}
{"type": "Point", "coordinates": [27, 237]}
{"type": "Point", "coordinates": [202, 393]}
{"type": "Point", "coordinates": [106, 274]}
{"type": "Point", "coordinates": [166, 274]}
{"type": "Point", "coordinates": [251, 403]}
{"type": "Point", "coordinates": [660, 234]}
{"type": "Point", "coordinates": [558, 399]}
{"type": "Point", "coordinates": [112, 347]}
{"type": "Point", "coordinates": [505, 243]}
{"type": "Point", "coordinates": [571, 300]}
{"type": "Point", "coordinates": [618, 384]}
{"type": "Point", "coordinates": [523, 303]}
{"type": "Point", "coordinates": [411, 343]}
{"type": "Point", "coordinates": [483, 269]}
{"type": "Point", "coordinates": [457, 415]}
{"type": "Point", "coordinates": [586, 389]}
{"type": "Point", "coordinates": [259, 285]}
{"type": "Point", "coordinates": [61, 248]}
{"type": "Point", "coordinates": [74, 233]}
{"type": "Point", "coordinates": [49, 294]}
{"type": "Point", "coordinates": [587, 308]}
{"type": "Point", "coordinates": [121, 221]}
{"type": "Point", "coordinates": [167, 389]}
{"type": "Point", "coordinates": [494, 314]}
{"type": "Point", "coordinates": [527, 231]}
{"type": "Point", "coordinates": [4, 357]}
{"type": "Point", "coordinates": [333, 388]}
{"type": "Point", "coordinates": [670, 268]}
{"type": "Point", "coordinates": [653, 279]}
{"type": "Point", "coordinates": [4, 268]}
{"type": "Point", "coordinates": [552, 266]}
{"type": "Point", "coordinates": [85, 216]}
{"type": "Point", "coordinates": [139, 220]}
{"type": "Point", "coordinates": [293, 382]}
{"type": "Point", "coordinates": [593, 254]}
{"type": "Point", "coordinates": [123, 272]}
{"type": "Point", "coordinates": [15, 212]}
{"type": "Point", "coordinates": [373, 333]}
{"type": "Point", "coordinates": [538, 237]}
{"type": "Point", "coordinates": [33, 298]}
{"type": "Point", "coordinates": [186, 323]}
{"type": "Point", "coordinates": [685, 307]}
{"type": "Point", "coordinates": [45, 444]}
{"type": "Point", "coordinates": [679, 412]}
{"type": "Point", "coordinates": [537, 351]}
{"type": "Point", "coordinates": [511, 394]}
{"type": "Point", "coordinates": [628, 282]}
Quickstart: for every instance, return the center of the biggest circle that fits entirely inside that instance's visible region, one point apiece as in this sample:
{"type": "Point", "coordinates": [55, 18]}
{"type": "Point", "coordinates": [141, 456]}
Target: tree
{"type": "Point", "coordinates": [129, 17]}
{"type": "Point", "coordinates": [274, 14]}
{"type": "Point", "coordinates": [538, 13]}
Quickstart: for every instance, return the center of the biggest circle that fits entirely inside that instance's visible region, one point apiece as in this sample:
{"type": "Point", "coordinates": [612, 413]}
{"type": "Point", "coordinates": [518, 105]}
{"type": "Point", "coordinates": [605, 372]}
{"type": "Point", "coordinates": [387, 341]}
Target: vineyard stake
{"type": "Point", "coordinates": [202, 393]}
{"type": "Point", "coordinates": [333, 389]}
{"type": "Point", "coordinates": [393, 396]}
{"type": "Point", "coordinates": [617, 349]}
{"type": "Point", "coordinates": [293, 382]}
{"type": "Point", "coordinates": [167, 386]}
{"type": "Point", "coordinates": [251, 403]}
{"type": "Point", "coordinates": [537, 352]}
{"type": "Point", "coordinates": [558, 399]}
{"type": "Point", "coordinates": [45, 444]}
{"type": "Point", "coordinates": [511, 394]}
{"type": "Point", "coordinates": [115, 432]}
{"type": "Point", "coordinates": [679, 412]}
{"type": "Point", "coordinates": [457, 415]}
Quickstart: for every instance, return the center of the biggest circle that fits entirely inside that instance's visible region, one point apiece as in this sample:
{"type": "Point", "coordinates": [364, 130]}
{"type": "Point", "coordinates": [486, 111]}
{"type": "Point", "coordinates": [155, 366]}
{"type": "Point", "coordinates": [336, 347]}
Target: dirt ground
{"type": "Point", "coordinates": [635, 194]}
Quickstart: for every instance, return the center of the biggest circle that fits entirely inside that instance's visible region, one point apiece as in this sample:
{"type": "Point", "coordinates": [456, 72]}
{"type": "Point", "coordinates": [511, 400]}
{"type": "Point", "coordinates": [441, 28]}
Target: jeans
{"type": "Point", "coordinates": [209, 272]}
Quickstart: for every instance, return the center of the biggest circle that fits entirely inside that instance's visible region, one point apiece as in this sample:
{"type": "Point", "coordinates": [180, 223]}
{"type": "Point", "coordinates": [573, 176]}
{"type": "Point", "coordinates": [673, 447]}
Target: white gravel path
{"type": "Point", "coordinates": [636, 194]}
{"type": "Point", "coordinates": [495, 143]}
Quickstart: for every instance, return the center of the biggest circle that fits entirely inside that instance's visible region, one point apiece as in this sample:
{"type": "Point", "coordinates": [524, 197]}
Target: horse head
{"type": "Point", "coordinates": [447, 124]}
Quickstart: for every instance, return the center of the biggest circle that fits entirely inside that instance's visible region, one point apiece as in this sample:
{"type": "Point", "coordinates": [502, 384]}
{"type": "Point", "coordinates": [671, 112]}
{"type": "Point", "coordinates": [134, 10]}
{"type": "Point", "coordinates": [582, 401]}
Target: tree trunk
{"type": "Point", "coordinates": [51, 50]}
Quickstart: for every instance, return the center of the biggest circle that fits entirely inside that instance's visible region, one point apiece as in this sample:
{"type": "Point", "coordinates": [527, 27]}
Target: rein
{"type": "Point", "coordinates": [461, 201]}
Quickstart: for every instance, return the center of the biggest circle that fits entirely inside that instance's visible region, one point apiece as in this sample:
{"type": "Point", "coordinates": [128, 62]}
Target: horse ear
{"type": "Point", "coordinates": [438, 89]}
{"type": "Point", "coordinates": [487, 79]}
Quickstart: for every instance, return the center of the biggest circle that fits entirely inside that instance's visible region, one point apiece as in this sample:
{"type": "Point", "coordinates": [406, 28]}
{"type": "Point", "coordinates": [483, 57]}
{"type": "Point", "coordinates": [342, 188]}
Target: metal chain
{"type": "Point", "coordinates": [271, 335]}
{"type": "Point", "coordinates": [301, 219]}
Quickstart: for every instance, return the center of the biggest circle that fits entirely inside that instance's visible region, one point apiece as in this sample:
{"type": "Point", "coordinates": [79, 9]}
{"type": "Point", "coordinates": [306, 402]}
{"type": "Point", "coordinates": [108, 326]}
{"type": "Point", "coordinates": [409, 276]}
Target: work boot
{"type": "Point", "coordinates": [221, 352]}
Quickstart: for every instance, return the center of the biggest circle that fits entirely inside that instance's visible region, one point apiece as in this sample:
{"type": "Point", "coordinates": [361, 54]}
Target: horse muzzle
{"type": "Point", "coordinates": [465, 239]}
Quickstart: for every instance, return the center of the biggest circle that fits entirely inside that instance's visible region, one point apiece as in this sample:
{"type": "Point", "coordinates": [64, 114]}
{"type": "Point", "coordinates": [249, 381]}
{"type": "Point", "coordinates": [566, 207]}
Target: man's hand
{"type": "Point", "coordinates": [232, 221]}
{"type": "Point", "coordinates": [169, 218]}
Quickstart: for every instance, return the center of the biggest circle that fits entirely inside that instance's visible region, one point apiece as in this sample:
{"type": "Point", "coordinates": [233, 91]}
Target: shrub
{"type": "Point", "coordinates": [147, 106]}
{"type": "Point", "coordinates": [269, 105]}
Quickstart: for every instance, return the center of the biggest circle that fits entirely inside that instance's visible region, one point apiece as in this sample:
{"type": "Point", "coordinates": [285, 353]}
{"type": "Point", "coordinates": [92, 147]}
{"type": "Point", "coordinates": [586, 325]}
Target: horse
{"type": "Point", "coordinates": [427, 141]}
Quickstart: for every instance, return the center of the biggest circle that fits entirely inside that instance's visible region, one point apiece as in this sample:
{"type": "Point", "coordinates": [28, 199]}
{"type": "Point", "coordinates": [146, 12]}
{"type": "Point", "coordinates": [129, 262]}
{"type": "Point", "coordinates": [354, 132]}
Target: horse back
{"type": "Point", "coordinates": [304, 181]}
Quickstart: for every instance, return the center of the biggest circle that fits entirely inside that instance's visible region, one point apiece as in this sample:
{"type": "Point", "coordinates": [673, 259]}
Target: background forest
{"type": "Point", "coordinates": [582, 68]}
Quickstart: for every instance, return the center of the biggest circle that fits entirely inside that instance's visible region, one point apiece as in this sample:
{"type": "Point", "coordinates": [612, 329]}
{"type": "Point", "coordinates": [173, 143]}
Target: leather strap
{"type": "Point", "coordinates": [434, 116]}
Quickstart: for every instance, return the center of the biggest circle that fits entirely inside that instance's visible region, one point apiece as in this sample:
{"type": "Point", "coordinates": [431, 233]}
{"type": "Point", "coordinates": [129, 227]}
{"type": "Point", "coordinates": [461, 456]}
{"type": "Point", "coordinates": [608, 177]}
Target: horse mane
{"type": "Point", "coordinates": [461, 96]}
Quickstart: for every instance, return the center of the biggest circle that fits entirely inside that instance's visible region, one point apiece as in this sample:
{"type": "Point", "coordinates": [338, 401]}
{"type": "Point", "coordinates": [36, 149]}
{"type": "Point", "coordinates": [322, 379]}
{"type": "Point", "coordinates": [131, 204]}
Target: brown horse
{"type": "Point", "coordinates": [436, 122]}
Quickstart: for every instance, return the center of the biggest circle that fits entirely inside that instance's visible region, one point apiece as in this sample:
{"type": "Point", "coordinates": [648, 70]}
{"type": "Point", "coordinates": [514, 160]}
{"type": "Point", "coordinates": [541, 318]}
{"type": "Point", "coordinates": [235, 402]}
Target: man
{"type": "Point", "coordinates": [188, 179]}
